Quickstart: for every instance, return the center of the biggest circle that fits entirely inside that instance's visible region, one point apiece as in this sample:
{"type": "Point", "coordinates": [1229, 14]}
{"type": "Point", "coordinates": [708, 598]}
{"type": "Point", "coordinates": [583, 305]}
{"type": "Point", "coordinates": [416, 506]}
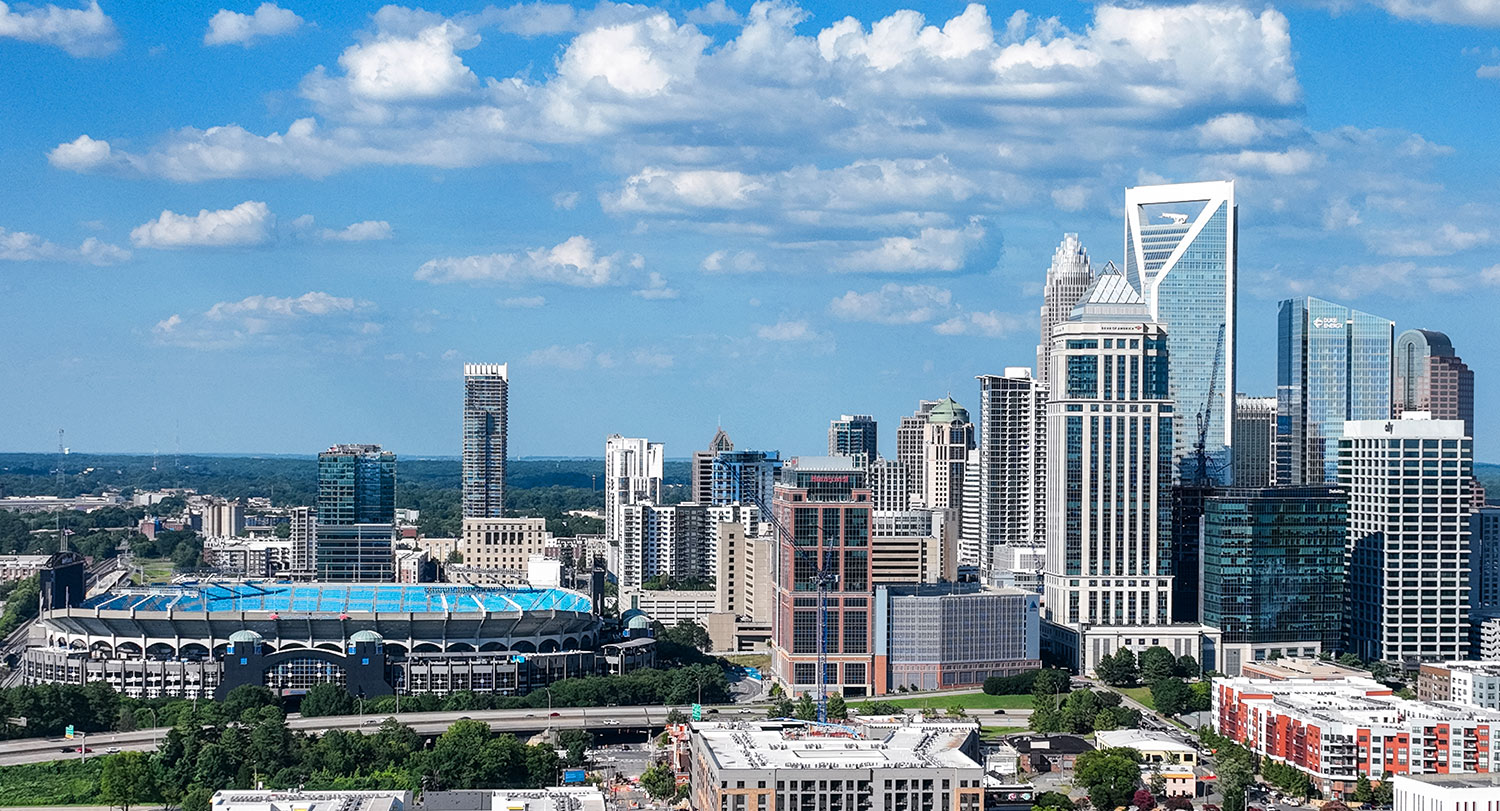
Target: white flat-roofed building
{"type": "Point", "coordinates": [1463, 682]}
{"type": "Point", "coordinates": [311, 801]}
{"type": "Point", "coordinates": [762, 766]}
{"type": "Point", "coordinates": [20, 567]}
{"type": "Point", "coordinates": [502, 544]}
{"type": "Point", "coordinates": [563, 798]}
{"type": "Point", "coordinates": [1447, 792]}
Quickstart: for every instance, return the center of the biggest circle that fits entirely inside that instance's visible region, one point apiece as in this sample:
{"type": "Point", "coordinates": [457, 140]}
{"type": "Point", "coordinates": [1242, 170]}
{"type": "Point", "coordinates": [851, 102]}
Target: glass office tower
{"type": "Point", "coordinates": [1273, 571]}
{"type": "Point", "coordinates": [486, 392]}
{"type": "Point", "coordinates": [1333, 364]}
{"type": "Point", "coordinates": [1180, 255]}
{"type": "Point", "coordinates": [356, 524]}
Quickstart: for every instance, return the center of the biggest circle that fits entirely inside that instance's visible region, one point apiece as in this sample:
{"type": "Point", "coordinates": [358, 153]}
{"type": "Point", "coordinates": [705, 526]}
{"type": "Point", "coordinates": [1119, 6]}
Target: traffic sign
{"type": "Point", "coordinates": [69, 732]}
{"type": "Point", "coordinates": [697, 712]}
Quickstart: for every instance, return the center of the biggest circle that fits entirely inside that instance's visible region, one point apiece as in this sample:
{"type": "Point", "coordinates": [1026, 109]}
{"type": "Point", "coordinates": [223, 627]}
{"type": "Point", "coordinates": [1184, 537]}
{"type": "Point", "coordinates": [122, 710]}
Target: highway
{"type": "Point", "coordinates": [521, 722]}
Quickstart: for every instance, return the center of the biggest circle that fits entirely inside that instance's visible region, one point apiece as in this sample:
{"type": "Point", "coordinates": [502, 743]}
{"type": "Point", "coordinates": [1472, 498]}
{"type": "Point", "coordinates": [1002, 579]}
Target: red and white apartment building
{"type": "Point", "coordinates": [1337, 730]}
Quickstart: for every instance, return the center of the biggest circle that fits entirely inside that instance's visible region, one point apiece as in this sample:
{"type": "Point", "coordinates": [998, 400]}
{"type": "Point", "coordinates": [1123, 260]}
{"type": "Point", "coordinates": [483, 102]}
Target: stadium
{"type": "Point", "coordinates": [202, 639]}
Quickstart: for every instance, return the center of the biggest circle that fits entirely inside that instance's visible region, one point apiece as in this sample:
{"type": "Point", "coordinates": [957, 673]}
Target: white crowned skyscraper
{"type": "Point", "coordinates": [632, 474]}
{"type": "Point", "coordinates": [486, 393]}
{"type": "Point", "coordinates": [1180, 255]}
{"type": "Point", "coordinates": [1067, 278]}
{"type": "Point", "coordinates": [1012, 472]}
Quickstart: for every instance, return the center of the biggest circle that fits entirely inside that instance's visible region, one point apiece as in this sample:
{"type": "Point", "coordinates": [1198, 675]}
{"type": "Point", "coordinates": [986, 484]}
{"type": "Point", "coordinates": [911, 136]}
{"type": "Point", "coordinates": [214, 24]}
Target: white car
{"type": "Point", "coordinates": [611, 722]}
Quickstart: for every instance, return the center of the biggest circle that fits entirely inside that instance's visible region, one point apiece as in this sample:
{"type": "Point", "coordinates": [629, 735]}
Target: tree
{"type": "Point", "coordinates": [1187, 667]}
{"type": "Point", "coordinates": [1143, 800]}
{"type": "Point", "coordinates": [689, 634]}
{"type": "Point", "coordinates": [327, 699]}
{"type": "Point", "coordinates": [1177, 803]}
{"type": "Point", "coordinates": [1171, 696]}
{"type": "Point", "coordinates": [1105, 721]}
{"type": "Point", "coordinates": [577, 743]}
{"type": "Point", "coordinates": [1118, 670]}
{"type": "Point", "coordinates": [1200, 696]}
{"type": "Point", "coordinates": [838, 710]}
{"type": "Point", "coordinates": [806, 709]}
{"type": "Point", "coordinates": [1051, 682]}
{"type": "Point", "coordinates": [1109, 775]}
{"type": "Point", "coordinates": [127, 779]}
{"type": "Point", "coordinates": [676, 716]}
{"type": "Point", "coordinates": [659, 782]}
{"type": "Point", "coordinates": [1157, 663]}
{"type": "Point", "coordinates": [1053, 799]}
{"type": "Point", "coordinates": [458, 758]}
{"type": "Point", "coordinates": [197, 798]}
{"type": "Point", "coordinates": [1385, 791]}
{"type": "Point", "coordinates": [782, 707]}
{"type": "Point", "coordinates": [1363, 791]}
{"type": "Point", "coordinates": [248, 697]}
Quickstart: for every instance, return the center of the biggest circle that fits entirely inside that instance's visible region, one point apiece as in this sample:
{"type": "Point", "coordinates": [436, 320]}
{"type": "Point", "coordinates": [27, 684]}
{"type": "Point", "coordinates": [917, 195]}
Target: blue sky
{"type": "Point", "coordinates": [275, 227]}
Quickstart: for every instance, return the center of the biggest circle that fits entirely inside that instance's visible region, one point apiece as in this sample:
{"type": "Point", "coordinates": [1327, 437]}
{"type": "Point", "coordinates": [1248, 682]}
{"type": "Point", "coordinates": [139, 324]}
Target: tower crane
{"type": "Point", "coordinates": [1200, 448]}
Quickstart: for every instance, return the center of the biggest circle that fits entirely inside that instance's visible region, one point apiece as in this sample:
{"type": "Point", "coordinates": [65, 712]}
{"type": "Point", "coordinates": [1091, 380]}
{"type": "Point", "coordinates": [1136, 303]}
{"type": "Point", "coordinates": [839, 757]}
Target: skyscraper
{"type": "Point", "coordinates": [486, 393]}
{"type": "Point", "coordinates": [946, 443]}
{"type": "Point", "coordinates": [1109, 429]}
{"type": "Point", "coordinates": [1067, 278]}
{"type": "Point", "coordinates": [744, 477]}
{"type": "Point", "coordinates": [1429, 376]}
{"type": "Point", "coordinates": [909, 436]}
{"type": "Point", "coordinates": [825, 504]}
{"type": "Point", "coordinates": [1273, 571]}
{"type": "Point", "coordinates": [1408, 540]}
{"type": "Point", "coordinates": [632, 474]}
{"type": "Point", "coordinates": [1333, 364]}
{"type": "Point", "coordinates": [1254, 441]}
{"type": "Point", "coordinates": [1012, 474]}
{"type": "Point", "coordinates": [356, 523]}
{"type": "Point", "coordinates": [1185, 270]}
{"type": "Point", "coordinates": [853, 435]}
{"type": "Point", "coordinates": [702, 474]}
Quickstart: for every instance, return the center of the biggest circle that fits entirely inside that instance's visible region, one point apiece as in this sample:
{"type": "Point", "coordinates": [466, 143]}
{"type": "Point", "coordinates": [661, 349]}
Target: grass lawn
{"type": "Point", "coordinates": [156, 571]}
{"type": "Point", "coordinates": [992, 734]}
{"type": "Point", "coordinates": [1141, 694]}
{"type": "Point", "coordinates": [761, 661]}
{"type": "Point", "coordinates": [973, 701]}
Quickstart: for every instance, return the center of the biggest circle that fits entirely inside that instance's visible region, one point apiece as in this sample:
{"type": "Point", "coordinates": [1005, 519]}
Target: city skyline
{"type": "Point", "coordinates": [242, 208]}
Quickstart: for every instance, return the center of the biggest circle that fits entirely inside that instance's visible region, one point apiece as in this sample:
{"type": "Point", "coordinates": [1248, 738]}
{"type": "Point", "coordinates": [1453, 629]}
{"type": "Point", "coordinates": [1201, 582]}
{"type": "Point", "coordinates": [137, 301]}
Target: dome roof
{"type": "Point", "coordinates": [638, 621]}
{"type": "Point", "coordinates": [366, 636]}
{"type": "Point", "coordinates": [246, 635]}
{"type": "Point", "coordinates": [947, 411]}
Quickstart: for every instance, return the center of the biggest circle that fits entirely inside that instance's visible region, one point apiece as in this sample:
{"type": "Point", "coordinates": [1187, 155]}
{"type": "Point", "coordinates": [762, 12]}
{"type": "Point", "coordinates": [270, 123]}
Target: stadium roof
{"type": "Point", "coordinates": [332, 598]}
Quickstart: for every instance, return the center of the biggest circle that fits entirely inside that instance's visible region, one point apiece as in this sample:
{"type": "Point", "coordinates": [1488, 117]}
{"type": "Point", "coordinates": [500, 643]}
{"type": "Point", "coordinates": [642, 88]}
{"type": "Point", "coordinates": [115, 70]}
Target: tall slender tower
{"type": "Point", "coordinates": [1012, 473]}
{"type": "Point", "coordinates": [486, 393]}
{"type": "Point", "coordinates": [702, 474]}
{"type": "Point", "coordinates": [1109, 429]}
{"type": "Point", "coordinates": [1068, 277]}
{"type": "Point", "coordinates": [1429, 376]}
{"type": "Point", "coordinates": [632, 474]}
{"type": "Point", "coordinates": [909, 438]}
{"type": "Point", "coordinates": [1180, 255]}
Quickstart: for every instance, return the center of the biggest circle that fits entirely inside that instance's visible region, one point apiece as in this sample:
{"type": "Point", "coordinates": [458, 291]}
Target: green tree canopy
{"type": "Point", "coordinates": [127, 779]}
{"type": "Point", "coordinates": [1109, 775]}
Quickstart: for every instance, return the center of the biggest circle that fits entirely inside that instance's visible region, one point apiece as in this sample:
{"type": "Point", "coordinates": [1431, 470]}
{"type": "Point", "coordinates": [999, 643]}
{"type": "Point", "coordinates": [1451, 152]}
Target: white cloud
{"type": "Point", "coordinates": [424, 65]}
{"type": "Point", "coordinates": [1490, 275]}
{"type": "Point", "coordinates": [558, 356]}
{"type": "Point", "coordinates": [1488, 72]}
{"type": "Point", "coordinates": [82, 154]}
{"type": "Point", "coordinates": [571, 262]}
{"type": "Point", "coordinates": [787, 331]}
{"type": "Point", "coordinates": [992, 324]}
{"type": "Point", "coordinates": [933, 249]}
{"type": "Point", "coordinates": [652, 359]}
{"type": "Point", "coordinates": [716, 12]}
{"type": "Point", "coordinates": [656, 288]}
{"type": "Point", "coordinates": [1447, 239]}
{"type": "Point", "coordinates": [1457, 12]}
{"type": "Point", "coordinates": [20, 246]}
{"type": "Point", "coordinates": [86, 31]}
{"type": "Point", "coordinates": [724, 261]}
{"type": "Point", "coordinates": [1071, 198]}
{"type": "Point", "coordinates": [1355, 282]}
{"type": "Point", "coordinates": [565, 200]}
{"type": "Point", "coordinates": [537, 19]}
{"type": "Point", "coordinates": [894, 304]}
{"type": "Point", "coordinates": [249, 223]}
{"type": "Point", "coordinates": [654, 189]}
{"type": "Point", "coordinates": [232, 28]}
{"type": "Point", "coordinates": [523, 302]}
{"type": "Point", "coordinates": [366, 231]}
{"type": "Point", "coordinates": [341, 323]}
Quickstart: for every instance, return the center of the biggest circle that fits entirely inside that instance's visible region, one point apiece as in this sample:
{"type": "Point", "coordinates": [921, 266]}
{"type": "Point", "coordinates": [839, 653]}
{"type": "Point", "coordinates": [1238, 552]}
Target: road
{"type": "Point", "coordinates": [37, 750]}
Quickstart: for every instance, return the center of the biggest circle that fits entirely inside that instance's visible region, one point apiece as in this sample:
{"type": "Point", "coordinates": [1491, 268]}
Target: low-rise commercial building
{"type": "Point", "coordinates": [1339, 730]}
{"type": "Point", "coordinates": [1447, 792]}
{"type": "Point", "coordinates": [769, 765]}
{"type": "Point", "coordinates": [311, 801]}
{"type": "Point", "coordinates": [1473, 683]}
{"type": "Point", "coordinates": [949, 635]}
{"type": "Point", "coordinates": [1161, 754]}
{"type": "Point", "coordinates": [1314, 669]}
{"type": "Point", "coordinates": [20, 567]}
{"type": "Point", "coordinates": [564, 798]}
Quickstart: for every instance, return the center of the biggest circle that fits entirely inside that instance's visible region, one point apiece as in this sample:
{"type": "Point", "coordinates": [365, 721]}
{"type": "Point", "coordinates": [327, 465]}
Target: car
{"type": "Point", "coordinates": [530, 715]}
{"type": "Point", "coordinates": [554, 715]}
{"type": "Point", "coordinates": [373, 721]}
{"type": "Point", "coordinates": [999, 712]}
{"type": "Point", "coordinates": [467, 718]}
{"type": "Point", "coordinates": [113, 750]}
{"type": "Point", "coordinates": [69, 749]}
{"type": "Point", "coordinates": [611, 722]}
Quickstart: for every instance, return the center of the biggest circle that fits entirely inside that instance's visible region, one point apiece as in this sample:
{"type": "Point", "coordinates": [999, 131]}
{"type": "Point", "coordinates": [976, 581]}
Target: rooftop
{"type": "Point", "coordinates": [740, 745]}
{"type": "Point", "coordinates": [565, 798]}
{"type": "Point", "coordinates": [335, 598]}
{"type": "Point", "coordinates": [311, 800]}
{"type": "Point", "coordinates": [1141, 739]}
{"type": "Point", "coordinates": [1303, 669]}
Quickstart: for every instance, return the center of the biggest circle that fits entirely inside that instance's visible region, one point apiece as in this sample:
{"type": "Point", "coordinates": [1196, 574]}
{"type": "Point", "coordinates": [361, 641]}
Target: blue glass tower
{"type": "Point", "coordinates": [1332, 364]}
{"type": "Point", "coordinates": [1180, 254]}
{"type": "Point", "coordinates": [747, 477]}
{"type": "Point", "coordinates": [356, 514]}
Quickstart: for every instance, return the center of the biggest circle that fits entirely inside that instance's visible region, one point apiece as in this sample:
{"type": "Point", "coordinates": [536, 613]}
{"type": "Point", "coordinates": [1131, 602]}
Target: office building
{"type": "Point", "coordinates": [948, 443]}
{"type": "Point", "coordinates": [767, 765]}
{"type": "Point", "coordinates": [853, 435]}
{"type": "Point", "coordinates": [825, 503]}
{"type": "Point", "coordinates": [1484, 558]}
{"type": "Point", "coordinates": [1012, 460]}
{"type": "Point", "coordinates": [743, 582]}
{"type": "Point", "coordinates": [1181, 256]}
{"type": "Point", "coordinates": [702, 473]}
{"type": "Point", "coordinates": [889, 481]}
{"type": "Point", "coordinates": [744, 477]}
{"type": "Point", "coordinates": [1254, 441]}
{"type": "Point", "coordinates": [1109, 426]}
{"type": "Point", "coordinates": [1333, 364]}
{"type": "Point", "coordinates": [502, 547]}
{"type": "Point", "coordinates": [1429, 376]}
{"type": "Point", "coordinates": [486, 393]}
{"type": "Point", "coordinates": [356, 521]}
{"type": "Point", "coordinates": [1462, 682]}
{"type": "Point", "coordinates": [303, 524]}
{"type": "Point", "coordinates": [953, 635]}
{"type": "Point", "coordinates": [1340, 730]}
{"type": "Point", "coordinates": [632, 474]}
{"type": "Point", "coordinates": [1067, 278]}
{"type": "Point", "coordinates": [913, 546]}
{"type": "Point", "coordinates": [1273, 572]}
{"type": "Point", "coordinates": [1408, 539]}
{"type": "Point", "coordinates": [909, 439]}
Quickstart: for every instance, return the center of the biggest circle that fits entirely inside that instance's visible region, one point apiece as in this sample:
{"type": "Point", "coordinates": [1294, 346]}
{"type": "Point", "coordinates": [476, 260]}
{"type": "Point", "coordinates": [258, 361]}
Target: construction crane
{"type": "Point", "coordinates": [1200, 448]}
{"type": "Point", "coordinates": [825, 579]}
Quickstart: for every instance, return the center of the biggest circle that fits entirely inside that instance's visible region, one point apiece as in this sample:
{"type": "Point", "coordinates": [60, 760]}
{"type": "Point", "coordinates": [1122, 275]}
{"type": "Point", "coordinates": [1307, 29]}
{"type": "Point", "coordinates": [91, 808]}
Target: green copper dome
{"type": "Point", "coordinates": [948, 411]}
